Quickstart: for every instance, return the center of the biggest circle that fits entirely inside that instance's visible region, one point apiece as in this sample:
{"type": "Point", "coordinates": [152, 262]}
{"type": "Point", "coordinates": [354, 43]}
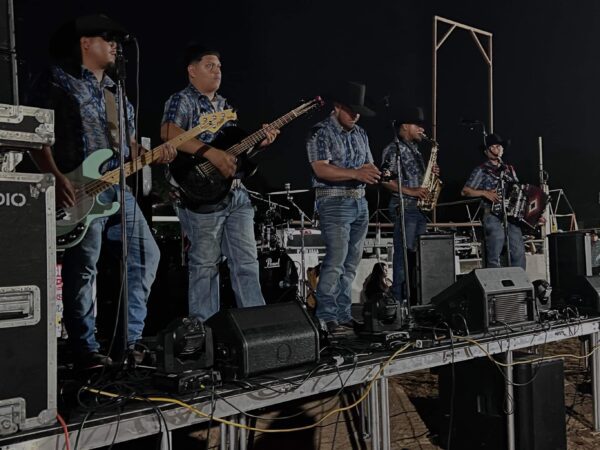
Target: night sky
{"type": "Point", "coordinates": [274, 54]}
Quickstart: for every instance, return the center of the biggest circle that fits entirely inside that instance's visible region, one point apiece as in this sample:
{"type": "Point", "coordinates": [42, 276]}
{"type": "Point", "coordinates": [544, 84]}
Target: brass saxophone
{"type": "Point", "coordinates": [431, 181]}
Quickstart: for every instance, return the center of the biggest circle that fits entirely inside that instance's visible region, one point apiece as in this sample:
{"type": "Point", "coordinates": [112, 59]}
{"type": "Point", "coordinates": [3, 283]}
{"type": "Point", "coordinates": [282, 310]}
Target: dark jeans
{"type": "Point", "coordinates": [344, 223]}
{"type": "Point", "coordinates": [494, 242]}
{"type": "Point", "coordinates": [79, 272]}
{"type": "Point", "coordinates": [415, 223]}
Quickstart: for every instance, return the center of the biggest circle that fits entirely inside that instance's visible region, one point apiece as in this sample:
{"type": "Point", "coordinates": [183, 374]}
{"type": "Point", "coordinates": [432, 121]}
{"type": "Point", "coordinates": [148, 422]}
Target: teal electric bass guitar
{"type": "Point", "coordinates": [72, 223]}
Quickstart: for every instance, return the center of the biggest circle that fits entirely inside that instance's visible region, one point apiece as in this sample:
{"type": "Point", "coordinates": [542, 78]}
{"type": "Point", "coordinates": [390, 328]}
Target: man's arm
{"type": "Point", "coordinates": [492, 196]}
{"type": "Point", "coordinates": [223, 161]}
{"type": "Point", "coordinates": [418, 192]}
{"type": "Point", "coordinates": [367, 173]}
{"type": "Point", "coordinates": [65, 192]}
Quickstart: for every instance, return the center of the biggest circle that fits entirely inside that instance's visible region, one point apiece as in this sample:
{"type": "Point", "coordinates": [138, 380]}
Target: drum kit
{"type": "Point", "coordinates": [275, 239]}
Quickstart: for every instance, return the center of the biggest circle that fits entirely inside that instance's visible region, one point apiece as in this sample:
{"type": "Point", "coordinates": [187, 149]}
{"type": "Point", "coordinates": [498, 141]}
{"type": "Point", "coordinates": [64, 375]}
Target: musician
{"type": "Point", "coordinates": [484, 182]}
{"type": "Point", "coordinates": [79, 90]}
{"type": "Point", "coordinates": [226, 228]}
{"type": "Point", "coordinates": [410, 122]}
{"type": "Point", "coordinates": [342, 165]}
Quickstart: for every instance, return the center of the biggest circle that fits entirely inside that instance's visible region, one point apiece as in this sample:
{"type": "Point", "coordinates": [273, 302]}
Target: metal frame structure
{"type": "Point", "coordinates": [144, 422]}
{"type": "Point", "coordinates": [485, 53]}
{"type": "Point", "coordinates": [11, 51]}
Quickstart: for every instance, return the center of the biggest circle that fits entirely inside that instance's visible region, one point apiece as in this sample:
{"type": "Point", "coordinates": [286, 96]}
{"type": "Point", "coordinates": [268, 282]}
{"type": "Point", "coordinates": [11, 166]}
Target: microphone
{"type": "Point", "coordinates": [502, 166]}
{"type": "Point", "coordinates": [286, 186]}
{"type": "Point", "coordinates": [386, 101]}
{"type": "Point", "coordinates": [129, 37]}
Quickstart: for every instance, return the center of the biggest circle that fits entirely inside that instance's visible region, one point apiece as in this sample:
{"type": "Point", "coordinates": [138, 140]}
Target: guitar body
{"type": "Point", "coordinates": [72, 223]}
{"type": "Point", "coordinates": [201, 187]}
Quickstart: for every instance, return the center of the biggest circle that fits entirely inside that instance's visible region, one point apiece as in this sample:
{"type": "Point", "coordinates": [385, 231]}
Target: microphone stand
{"type": "Point", "coordinates": [120, 349]}
{"type": "Point", "coordinates": [405, 303]}
{"type": "Point", "coordinates": [503, 204]}
{"type": "Point", "coordinates": [290, 199]}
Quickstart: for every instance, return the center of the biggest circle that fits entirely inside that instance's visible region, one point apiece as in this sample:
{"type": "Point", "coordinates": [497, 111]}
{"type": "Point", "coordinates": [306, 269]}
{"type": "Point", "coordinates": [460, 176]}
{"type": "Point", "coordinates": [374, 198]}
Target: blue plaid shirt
{"type": "Point", "coordinates": [486, 177]}
{"type": "Point", "coordinates": [88, 93]}
{"type": "Point", "coordinates": [329, 141]}
{"type": "Point", "coordinates": [412, 164]}
{"type": "Point", "coordinates": [185, 107]}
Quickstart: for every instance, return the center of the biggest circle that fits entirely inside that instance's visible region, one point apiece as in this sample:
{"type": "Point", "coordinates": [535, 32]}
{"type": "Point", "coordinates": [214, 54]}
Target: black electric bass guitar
{"type": "Point", "coordinates": [202, 183]}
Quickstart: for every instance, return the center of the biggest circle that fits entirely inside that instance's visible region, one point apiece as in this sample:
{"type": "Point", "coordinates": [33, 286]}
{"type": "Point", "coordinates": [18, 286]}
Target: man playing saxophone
{"type": "Point", "coordinates": [409, 125]}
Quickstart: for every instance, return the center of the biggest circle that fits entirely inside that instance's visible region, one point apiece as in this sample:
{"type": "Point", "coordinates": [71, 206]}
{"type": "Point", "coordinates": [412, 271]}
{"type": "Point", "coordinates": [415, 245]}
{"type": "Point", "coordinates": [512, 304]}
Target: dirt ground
{"type": "Point", "coordinates": [414, 412]}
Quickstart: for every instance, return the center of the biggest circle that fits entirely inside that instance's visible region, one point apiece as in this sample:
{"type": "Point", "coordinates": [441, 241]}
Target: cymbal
{"type": "Point", "coordinates": [295, 191]}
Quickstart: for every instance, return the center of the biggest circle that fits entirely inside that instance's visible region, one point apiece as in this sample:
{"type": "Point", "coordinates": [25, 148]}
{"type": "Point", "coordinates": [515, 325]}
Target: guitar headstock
{"type": "Point", "coordinates": [315, 103]}
{"type": "Point", "coordinates": [213, 122]}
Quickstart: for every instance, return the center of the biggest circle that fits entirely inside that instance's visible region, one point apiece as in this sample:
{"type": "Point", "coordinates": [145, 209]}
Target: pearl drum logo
{"type": "Point", "coordinates": [12, 199]}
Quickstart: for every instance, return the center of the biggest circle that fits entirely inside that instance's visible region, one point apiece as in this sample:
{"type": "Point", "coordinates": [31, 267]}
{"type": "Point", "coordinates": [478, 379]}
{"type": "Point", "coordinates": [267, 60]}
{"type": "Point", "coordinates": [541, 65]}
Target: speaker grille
{"type": "Point", "coordinates": [511, 307]}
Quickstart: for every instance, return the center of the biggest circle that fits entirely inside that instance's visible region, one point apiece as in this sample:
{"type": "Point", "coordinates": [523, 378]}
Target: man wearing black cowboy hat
{"type": "Point", "coordinates": [82, 95]}
{"type": "Point", "coordinates": [409, 123]}
{"type": "Point", "coordinates": [484, 182]}
{"type": "Point", "coordinates": [342, 165]}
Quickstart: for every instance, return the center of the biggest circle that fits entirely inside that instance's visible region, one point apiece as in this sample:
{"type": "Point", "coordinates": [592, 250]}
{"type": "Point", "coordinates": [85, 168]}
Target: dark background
{"type": "Point", "coordinates": [546, 71]}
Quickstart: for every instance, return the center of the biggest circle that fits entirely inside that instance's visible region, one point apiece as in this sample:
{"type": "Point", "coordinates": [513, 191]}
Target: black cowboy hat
{"type": "Point", "coordinates": [351, 94]}
{"type": "Point", "coordinates": [65, 40]}
{"type": "Point", "coordinates": [495, 139]}
{"type": "Point", "coordinates": [412, 115]}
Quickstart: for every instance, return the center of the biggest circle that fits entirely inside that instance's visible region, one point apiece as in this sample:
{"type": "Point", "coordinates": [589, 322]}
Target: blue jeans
{"type": "Point", "coordinates": [230, 233]}
{"type": "Point", "coordinates": [343, 223]}
{"type": "Point", "coordinates": [79, 272]}
{"type": "Point", "coordinates": [415, 224]}
{"type": "Point", "coordinates": [494, 242]}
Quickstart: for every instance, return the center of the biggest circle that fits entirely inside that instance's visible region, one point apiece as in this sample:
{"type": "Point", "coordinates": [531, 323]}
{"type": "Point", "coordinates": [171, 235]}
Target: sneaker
{"type": "Point", "coordinates": [91, 360]}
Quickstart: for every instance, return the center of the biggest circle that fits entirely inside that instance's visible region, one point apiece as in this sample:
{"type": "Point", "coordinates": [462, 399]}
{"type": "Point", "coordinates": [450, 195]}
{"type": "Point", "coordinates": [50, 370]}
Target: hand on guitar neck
{"type": "Point", "coordinates": [271, 136]}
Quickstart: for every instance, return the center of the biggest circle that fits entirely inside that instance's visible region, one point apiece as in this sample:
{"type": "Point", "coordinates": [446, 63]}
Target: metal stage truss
{"type": "Point", "coordinates": [371, 375]}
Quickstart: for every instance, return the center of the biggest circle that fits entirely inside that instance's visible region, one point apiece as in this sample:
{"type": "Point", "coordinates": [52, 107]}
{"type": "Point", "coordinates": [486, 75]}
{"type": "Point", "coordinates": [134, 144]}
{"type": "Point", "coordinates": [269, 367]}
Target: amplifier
{"type": "Point", "coordinates": [27, 302]}
{"type": "Point", "coordinates": [436, 266]}
{"type": "Point", "coordinates": [251, 341]}
{"type": "Point", "coordinates": [488, 300]}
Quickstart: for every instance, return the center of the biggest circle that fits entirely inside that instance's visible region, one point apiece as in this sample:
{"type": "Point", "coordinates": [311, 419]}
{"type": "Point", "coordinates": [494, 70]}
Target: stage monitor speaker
{"type": "Point", "coordinates": [570, 257]}
{"type": "Point", "coordinates": [251, 341]}
{"type": "Point", "coordinates": [488, 299]}
{"type": "Point", "coordinates": [479, 417]}
{"type": "Point", "coordinates": [436, 266]}
{"type": "Point", "coordinates": [27, 302]}
{"type": "Point", "coordinates": [584, 294]}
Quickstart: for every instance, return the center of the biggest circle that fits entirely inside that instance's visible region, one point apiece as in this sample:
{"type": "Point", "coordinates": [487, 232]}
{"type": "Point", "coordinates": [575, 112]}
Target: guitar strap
{"type": "Point", "coordinates": [112, 121]}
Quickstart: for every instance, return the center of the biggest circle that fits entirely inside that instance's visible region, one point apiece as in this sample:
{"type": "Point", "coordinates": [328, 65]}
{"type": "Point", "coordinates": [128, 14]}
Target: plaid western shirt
{"type": "Point", "coordinates": [349, 149]}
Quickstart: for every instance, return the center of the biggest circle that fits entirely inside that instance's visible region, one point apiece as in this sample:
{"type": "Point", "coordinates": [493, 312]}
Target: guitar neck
{"type": "Point", "coordinates": [250, 141]}
{"type": "Point", "coordinates": [145, 159]}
